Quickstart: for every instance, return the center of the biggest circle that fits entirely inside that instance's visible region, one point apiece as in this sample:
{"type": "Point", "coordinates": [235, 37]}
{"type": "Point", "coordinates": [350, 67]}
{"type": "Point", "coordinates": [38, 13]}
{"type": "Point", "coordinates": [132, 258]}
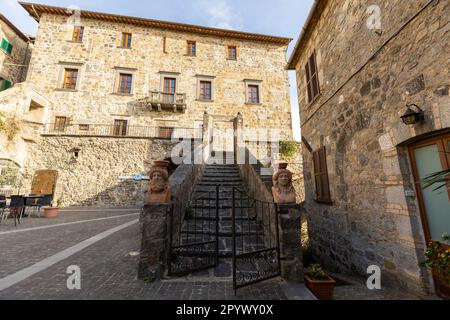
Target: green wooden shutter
{"type": "Point", "coordinates": [4, 44]}
{"type": "Point", "coordinates": [9, 49]}
{"type": "Point", "coordinates": [5, 85]}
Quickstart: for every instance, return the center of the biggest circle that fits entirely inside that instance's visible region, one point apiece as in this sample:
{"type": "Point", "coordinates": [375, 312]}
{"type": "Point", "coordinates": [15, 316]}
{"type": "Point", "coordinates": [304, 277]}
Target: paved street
{"type": "Point", "coordinates": [35, 256]}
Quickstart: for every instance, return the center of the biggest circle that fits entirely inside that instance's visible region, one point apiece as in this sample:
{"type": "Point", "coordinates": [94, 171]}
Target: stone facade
{"type": "Point", "coordinates": [99, 57]}
{"type": "Point", "coordinates": [366, 79]}
{"type": "Point", "coordinates": [13, 66]}
{"type": "Point", "coordinates": [155, 53]}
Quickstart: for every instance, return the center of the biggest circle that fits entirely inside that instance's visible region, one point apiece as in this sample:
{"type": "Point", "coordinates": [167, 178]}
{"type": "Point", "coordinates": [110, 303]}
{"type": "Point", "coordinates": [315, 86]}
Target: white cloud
{"type": "Point", "coordinates": [219, 13]}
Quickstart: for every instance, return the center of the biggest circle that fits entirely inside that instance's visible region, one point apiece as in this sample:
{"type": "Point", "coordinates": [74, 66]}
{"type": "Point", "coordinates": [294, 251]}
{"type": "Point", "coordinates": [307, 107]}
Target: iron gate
{"type": "Point", "coordinates": [256, 245]}
{"type": "Point", "coordinates": [194, 234]}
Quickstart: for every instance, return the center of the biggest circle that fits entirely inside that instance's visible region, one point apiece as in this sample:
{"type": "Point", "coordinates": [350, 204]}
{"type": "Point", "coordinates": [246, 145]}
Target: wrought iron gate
{"type": "Point", "coordinates": [256, 245]}
{"type": "Point", "coordinates": [194, 234]}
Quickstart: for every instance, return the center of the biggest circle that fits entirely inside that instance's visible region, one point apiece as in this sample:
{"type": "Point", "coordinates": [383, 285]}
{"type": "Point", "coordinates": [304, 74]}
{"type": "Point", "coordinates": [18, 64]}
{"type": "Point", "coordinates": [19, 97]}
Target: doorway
{"type": "Point", "coordinates": [428, 157]}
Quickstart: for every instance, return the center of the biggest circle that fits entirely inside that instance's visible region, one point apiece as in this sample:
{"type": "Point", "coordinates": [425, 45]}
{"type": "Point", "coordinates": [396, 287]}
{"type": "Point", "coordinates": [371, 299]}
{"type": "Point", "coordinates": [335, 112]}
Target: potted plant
{"type": "Point", "coordinates": [319, 282]}
{"type": "Point", "coordinates": [438, 259]}
{"type": "Point", "coordinates": [288, 152]}
{"type": "Point", "coordinates": [52, 211]}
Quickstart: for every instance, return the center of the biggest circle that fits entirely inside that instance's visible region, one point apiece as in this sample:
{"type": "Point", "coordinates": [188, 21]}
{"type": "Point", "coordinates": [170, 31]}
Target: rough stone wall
{"type": "Point", "coordinates": [10, 68]}
{"type": "Point", "coordinates": [99, 55]}
{"type": "Point", "coordinates": [92, 178]}
{"type": "Point", "coordinates": [372, 221]}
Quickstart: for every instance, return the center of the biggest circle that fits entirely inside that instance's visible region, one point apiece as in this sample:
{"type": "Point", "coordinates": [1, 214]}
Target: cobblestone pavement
{"type": "Point", "coordinates": [108, 267]}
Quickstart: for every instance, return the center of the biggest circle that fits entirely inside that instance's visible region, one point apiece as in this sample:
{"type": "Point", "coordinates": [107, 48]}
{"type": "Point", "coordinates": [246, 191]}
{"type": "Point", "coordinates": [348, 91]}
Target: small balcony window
{"type": "Point", "coordinates": [78, 33]}
{"type": "Point", "coordinates": [191, 48]}
{"type": "Point", "coordinates": [126, 40]}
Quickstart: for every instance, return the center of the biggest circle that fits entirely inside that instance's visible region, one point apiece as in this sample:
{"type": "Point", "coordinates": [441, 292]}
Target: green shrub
{"type": "Point", "coordinates": [288, 149]}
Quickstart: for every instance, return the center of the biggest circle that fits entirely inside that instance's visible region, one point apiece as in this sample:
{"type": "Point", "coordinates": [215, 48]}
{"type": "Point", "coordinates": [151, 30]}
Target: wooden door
{"type": "Point", "coordinates": [44, 182]}
{"type": "Point", "coordinates": [428, 157]}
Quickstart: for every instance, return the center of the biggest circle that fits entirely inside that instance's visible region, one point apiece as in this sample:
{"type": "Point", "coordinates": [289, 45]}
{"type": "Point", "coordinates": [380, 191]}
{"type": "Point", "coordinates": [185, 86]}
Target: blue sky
{"type": "Point", "coordinates": [276, 17]}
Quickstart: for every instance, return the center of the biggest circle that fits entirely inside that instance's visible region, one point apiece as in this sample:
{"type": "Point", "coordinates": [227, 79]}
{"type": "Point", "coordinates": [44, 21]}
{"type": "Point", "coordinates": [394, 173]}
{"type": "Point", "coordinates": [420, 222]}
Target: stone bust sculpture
{"type": "Point", "coordinates": [283, 190]}
{"type": "Point", "coordinates": [159, 189]}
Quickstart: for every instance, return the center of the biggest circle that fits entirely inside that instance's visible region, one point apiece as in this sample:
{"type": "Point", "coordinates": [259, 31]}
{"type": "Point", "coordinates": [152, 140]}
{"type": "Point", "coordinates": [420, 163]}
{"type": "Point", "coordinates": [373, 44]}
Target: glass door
{"type": "Point", "coordinates": [429, 157]}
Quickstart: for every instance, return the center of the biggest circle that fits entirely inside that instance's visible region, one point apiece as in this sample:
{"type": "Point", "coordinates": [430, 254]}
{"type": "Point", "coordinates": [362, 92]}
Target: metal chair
{"type": "Point", "coordinates": [3, 212]}
{"type": "Point", "coordinates": [31, 203]}
{"type": "Point", "coordinates": [17, 207]}
{"type": "Point", "coordinates": [45, 201]}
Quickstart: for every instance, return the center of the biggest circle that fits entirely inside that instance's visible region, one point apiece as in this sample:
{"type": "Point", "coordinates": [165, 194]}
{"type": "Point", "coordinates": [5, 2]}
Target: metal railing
{"type": "Point", "coordinates": [107, 130]}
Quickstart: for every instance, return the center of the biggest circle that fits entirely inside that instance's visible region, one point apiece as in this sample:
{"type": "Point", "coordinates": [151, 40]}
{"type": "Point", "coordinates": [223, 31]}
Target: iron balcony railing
{"type": "Point", "coordinates": [121, 131]}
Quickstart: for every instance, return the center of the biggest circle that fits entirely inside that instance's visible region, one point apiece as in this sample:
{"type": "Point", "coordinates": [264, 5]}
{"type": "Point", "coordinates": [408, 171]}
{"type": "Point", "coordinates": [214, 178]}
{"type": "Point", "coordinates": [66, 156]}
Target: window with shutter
{"type": "Point", "coordinates": [4, 84]}
{"type": "Point", "coordinates": [321, 176]}
{"type": "Point", "coordinates": [312, 78]}
{"type": "Point", "coordinates": [6, 46]}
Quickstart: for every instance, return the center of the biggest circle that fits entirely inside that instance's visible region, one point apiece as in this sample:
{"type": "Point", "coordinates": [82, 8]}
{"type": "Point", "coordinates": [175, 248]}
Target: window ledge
{"type": "Point", "coordinates": [122, 94]}
{"type": "Point", "coordinates": [204, 100]}
{"type": "Point", "coordinates": [66, 90]}
{"type": "Point", "coordinates": [230, 59]}
{"type": "Point", "coordinates": [72, 41]}
{"type": "Point", "coordinates": [314, 100]}
{"type": "Point", "coordinates": [191, 56]}
{"type": "Point", "coordinates": [254, 104]}
{"type": "Point", "coordinates": [120, 47]}
{"type": "Point", "coordinates": [330, 203]}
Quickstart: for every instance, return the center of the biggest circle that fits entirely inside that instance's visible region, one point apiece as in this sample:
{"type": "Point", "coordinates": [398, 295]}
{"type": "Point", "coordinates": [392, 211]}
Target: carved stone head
{"type": "Point", "coordinates": [283, 191]}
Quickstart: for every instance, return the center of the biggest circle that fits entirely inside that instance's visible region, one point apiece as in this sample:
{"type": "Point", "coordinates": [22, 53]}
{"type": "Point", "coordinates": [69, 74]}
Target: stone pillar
{"type": "Point", "coordinates": [155, 241]}
{"type": "Point", "coordinates": [290, 242]}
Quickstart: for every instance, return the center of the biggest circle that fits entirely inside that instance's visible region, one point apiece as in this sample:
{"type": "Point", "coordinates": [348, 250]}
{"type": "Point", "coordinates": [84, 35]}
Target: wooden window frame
{"type": "Point", "coordinates": [120, 128]}
{"type": "Point", "coordinates": [125, 42]}
{"type": "Point", "coordinates": [321, 178]}
{"type": "Point", "coordinates": [122, 87]}
{"type": "Point", "coordinates": [312, 78]}
{"type": "Point", "coordinates": [203, 90]}
{"type": "Point", "coordinates": [60, 123]}
{"type": "Point", "coordinates": [78, 33]}
{"type": "Point", "coordinates": [66, 85]}
{"type": "Point", "coordinates": [167, 90]}
{"type": "Point", "coordinates": [250, 98]}
{"type": "Point", "coordinates": [229, 57]}
{"type": "Point", "coordinates": [189, 51]}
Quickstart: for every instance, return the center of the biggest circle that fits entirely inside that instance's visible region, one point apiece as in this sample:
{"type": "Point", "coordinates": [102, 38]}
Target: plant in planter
{"type": "Point", "coordinates": [52, 211]}
{"type": "Point", "coordinates": [288, 152]}
{"type": "Point", "coordinates": [319, 282]}
{"type": "Point", "coordinates": [438, 259]}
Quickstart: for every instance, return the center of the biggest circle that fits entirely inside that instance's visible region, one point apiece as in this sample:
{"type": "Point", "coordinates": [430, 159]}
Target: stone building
{"type": "Point", "coordinates": [117, 88]}
{"type": "Point", "coordinates": [358, 67]}
{"type": "Point", "coordinates": [15, 53]}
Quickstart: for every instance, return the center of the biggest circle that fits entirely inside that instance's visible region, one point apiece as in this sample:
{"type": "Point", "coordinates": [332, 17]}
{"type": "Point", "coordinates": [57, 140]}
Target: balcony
{"type": "Point", "coordinates": [163, 101]}
{"type": "Point", "coordinates": [122, 131]}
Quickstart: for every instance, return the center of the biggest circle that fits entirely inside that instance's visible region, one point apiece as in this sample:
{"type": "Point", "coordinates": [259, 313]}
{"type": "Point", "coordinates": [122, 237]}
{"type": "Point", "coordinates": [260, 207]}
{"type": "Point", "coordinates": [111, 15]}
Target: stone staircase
{"type": "Point", "coordinates": [200, 224]}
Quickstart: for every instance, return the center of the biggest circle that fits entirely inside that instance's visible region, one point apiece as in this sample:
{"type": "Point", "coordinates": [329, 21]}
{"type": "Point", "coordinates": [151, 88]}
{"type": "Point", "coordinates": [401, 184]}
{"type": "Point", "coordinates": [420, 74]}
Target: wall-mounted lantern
{"type": "Point", "coordinates": [412, 117]}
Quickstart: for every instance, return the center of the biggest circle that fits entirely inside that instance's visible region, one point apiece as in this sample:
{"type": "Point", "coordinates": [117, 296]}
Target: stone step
{"type": "Point", "coordinates": [219, 178]}
{"type": "Point", "coordinates": [222, 234]}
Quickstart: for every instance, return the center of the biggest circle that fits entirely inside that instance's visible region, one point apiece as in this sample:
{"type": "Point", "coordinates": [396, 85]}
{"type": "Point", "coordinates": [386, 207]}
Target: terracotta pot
{"type": "Point", "coordinates": [322, 289]}
{"type": "Point", "coordinates": [51, 212]}
{"type": "Point", "coordinates": [161, 164]}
